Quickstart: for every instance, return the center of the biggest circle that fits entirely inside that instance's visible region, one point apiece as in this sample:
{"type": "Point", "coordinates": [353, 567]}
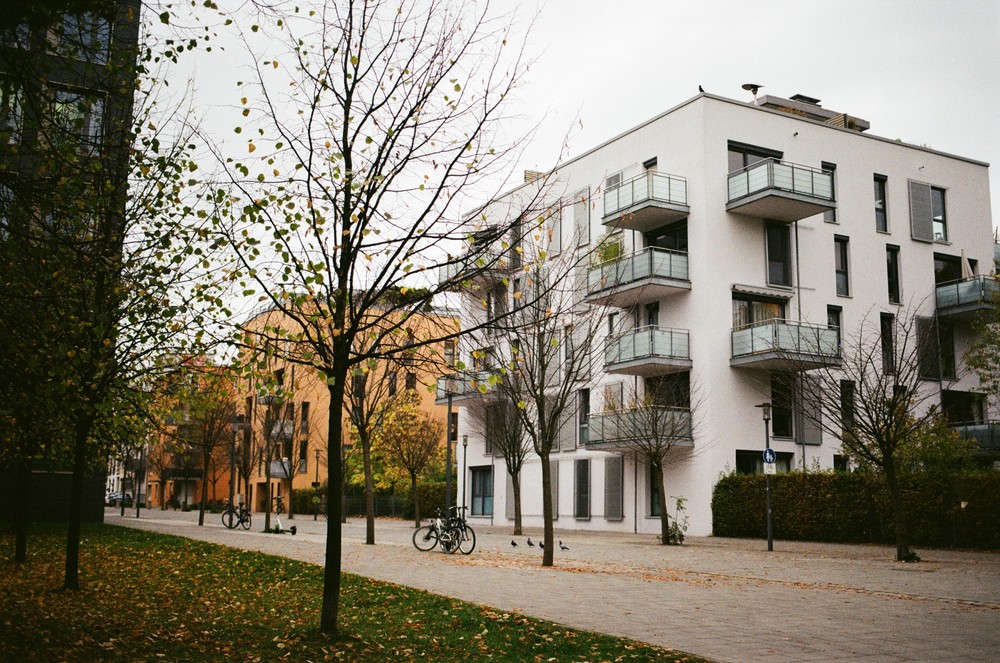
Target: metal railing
{"type": "Point", "coordinates": [778, 335]}
{"type": "Point", "coordinates": [647, 342]}
{"type": "Point", "coordinates": [649, 186]}
{"type": "Point", "coordinates": [986, 434]}
{"type": "Point", "coordinates": [492, 259]}
{"type": "Point", "coordinates": [647, 263]}
{"type": "Point", "coordinates": [977, 290]}
{"type": "Point", "coordinates": [461, 384]}
{"type": "Point", "coordinates": [774, 174]}
{"type": "Point", "coordinates": [638, 424]}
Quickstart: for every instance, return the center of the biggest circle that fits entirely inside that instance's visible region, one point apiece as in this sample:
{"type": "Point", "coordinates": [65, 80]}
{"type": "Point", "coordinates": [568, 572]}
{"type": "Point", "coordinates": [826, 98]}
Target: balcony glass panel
{"type": "Point", "coordinates": [986, 434]}
{"type": "Point", "coordinates": [786, 336]}
{"type": "Point", "coordinates": [774, 174]}
{"type": "Point", "coordinates": [649, 186]}
{"type": "Point", "coordinates": [978, 290]}
{"type": "Point", "coordinates": [647, 342]}
{"type": "Point", "coordinates": [623, 427]}
{"type": "Point", "coordinates": [460, 385]}
{"type": "Point", "coordinates": [650, 262]}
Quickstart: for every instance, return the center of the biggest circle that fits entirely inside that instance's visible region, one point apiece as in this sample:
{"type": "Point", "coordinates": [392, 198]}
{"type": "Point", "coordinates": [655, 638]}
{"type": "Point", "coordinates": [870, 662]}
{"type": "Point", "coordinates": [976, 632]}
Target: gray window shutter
{"type": "Point", "coordinates": [921, 212]}
{"type": "Point", "coordinates": [614, 469]}
{"type": "Point", "coordinates": [581, 488]}
{"type": "Point", "coordinates": [554, 477]}
{"type": "Point", "coordinates": [509, 502]}
{"type": "Point", "coordinates": [567, 437]}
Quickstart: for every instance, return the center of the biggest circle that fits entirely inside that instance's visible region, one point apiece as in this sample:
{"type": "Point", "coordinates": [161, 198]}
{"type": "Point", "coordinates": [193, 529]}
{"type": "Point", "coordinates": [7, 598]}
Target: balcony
{"type": "Point", "coordinates": [646, 202]}
{"type": "Point", "coordinates": [965, 298]}
{"type": "Point", "coordinates": [461, 386]}
{"type": "Point", "coordinates": [644, 276]}
{"type": "Point", "coordinates": [780, 191]}
{"type": "Point", "coordinates": [776, 345]}
{"type": "Point", "coordinates": [986, 434]}
{"type": "Point", "coordinates": [648, 351]}
{"type": "Point", "coordinates": [490, 264]}
{"type": "Point", "coordinates": [638, 428]}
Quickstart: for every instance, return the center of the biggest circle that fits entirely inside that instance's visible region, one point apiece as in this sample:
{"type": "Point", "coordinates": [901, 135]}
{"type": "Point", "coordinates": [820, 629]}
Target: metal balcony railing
{"type": "Point", "coordinates": [651, 262]}
{"type": "Point", "coordinates": [783, 176]}
{"type": "Point", "coordinates": [649, 186]}
{"type": "Point", "coordinates": [648, 343]}
{"type": "Point", "coordinates": [967, 292]}
{"type": "Point", "coordinates": [787, 337]}
{"type": "Point", "coordinates": [461, 385]}
{"type": "Point", "coordinates": [622, 428]}
{"type": "Point", "coordinates": [986, 434]}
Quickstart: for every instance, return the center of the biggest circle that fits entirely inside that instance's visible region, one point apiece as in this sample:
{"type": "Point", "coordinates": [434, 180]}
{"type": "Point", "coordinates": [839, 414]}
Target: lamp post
{"type": "Point", "coordinates": [766, 411]}
{"type": "Point", "coordinates": [316, 490]}
{"type": "Point", "coordinates": [465, 461]}
{"type": "Point", "coordinates": [344, 450]}
{"type": "Point", "coordinates": [236, 424]}
{"type": "Point", "coordinates": [447, 456]}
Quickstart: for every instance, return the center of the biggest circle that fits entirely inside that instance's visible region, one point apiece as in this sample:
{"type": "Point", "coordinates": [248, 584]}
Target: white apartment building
{"type": "Point", "coordinates": [745, 227]}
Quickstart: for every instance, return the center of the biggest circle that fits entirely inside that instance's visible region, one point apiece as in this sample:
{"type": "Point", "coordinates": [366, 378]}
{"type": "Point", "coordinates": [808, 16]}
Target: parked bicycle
{"type": "Point", "coordinates": [236, 516]}
{"type": "Point", "coordinates": [450, 532]}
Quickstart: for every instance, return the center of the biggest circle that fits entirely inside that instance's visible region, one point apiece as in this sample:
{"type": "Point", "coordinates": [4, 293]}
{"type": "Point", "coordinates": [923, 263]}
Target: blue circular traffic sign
{"type": "Point", "coordinates": [769, 456]}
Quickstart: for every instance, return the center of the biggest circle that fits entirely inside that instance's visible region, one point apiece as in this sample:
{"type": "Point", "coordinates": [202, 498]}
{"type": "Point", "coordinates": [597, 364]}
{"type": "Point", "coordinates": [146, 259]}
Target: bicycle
{"type": "Point", "coordinates": [467, 543]}
{"type": "Point", "coordinates": [236, 516]}
{"type": "Point", "coordinates": [452, 533]}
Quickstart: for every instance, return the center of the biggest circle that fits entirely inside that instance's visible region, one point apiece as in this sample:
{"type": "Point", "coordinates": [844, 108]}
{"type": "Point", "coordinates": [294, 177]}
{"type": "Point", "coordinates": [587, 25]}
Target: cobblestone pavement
{"type": "Point", "coordinates": [724, 599]}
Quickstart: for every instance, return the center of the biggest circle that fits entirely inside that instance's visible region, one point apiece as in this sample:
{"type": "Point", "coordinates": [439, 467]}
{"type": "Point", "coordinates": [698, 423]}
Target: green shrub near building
{"type": "Point", "coordinates": [945, 510]}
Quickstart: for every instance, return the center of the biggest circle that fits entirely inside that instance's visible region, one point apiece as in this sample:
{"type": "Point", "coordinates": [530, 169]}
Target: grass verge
{"type": "Point", "coordinates": [152, 597]}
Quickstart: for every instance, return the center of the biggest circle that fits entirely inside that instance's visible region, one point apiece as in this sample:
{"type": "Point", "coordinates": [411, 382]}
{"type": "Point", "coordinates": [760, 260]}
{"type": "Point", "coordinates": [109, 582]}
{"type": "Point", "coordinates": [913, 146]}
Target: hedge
{"type": "Point", "coordinates": [431, 497]}
{"type": "Point", "coordinates": [853, 508]}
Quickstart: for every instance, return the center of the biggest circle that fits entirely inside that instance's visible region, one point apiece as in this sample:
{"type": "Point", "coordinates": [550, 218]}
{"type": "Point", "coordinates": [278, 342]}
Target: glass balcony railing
{"type": "Point", "coordinates": [648, 343]}
{"type": "Point", "coordinates": [640, 427]}
{"type": "Point", "coordinates": [977, 292]}
{"type": "Point", "coordinates": [651, 262]}
{"type": "Point", "coordinates": [461, 385]}
{"type": "Point", "coordinates": [648, 187]}
{"type": "Point", "coordinates": [782, 176]}
{"type": "Point", "coordinates": [986, 434]}
{"type": "Point", "coordinates": [788, 338]}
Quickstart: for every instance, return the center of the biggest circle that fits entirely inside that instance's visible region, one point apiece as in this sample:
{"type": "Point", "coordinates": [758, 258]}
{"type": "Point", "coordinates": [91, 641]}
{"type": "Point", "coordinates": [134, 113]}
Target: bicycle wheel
{"type": "Point", "coordinates": [425, 538]}
{"type": "Point", "coordinates": [451, 538]}
{"type": "Point", "coordinates": [468, 541]}
{"type": "Point", "coordinates": [245, 519]}
{"type": "Point", "coordinates": [229, 519]}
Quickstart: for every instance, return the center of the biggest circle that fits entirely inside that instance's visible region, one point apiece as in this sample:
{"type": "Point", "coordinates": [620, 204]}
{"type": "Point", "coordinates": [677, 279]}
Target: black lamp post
{"type": "Point", "coordinates": [465, 462]}
{"type": "Point", "coordinates": [766, 411]}
{"type": "Point", "coordinates": [447, 456]}
{"type": "Point", "coordinates": [316, 490]}
{"type": "Point", "coordinates": [236, 424]}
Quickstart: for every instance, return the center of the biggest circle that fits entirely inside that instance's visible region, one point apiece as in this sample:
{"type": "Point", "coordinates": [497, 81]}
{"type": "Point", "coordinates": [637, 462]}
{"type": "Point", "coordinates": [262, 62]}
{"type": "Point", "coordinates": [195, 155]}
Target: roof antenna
{"type": "Point", "coordinates": [752, 88]}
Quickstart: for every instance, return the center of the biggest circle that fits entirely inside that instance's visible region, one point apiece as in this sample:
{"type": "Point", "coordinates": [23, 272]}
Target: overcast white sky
{"type": "Point", "coordinates": [924, 71]}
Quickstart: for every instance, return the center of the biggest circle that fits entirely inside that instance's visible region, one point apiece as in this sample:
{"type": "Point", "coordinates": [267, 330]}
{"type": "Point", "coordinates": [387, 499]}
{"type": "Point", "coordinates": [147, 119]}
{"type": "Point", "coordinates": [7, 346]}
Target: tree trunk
{"type": "Point", "coordinates": [334, 528]}
{"type": "Point", "coordinates": [288, 493]}
{"type": "Point", "coordinates": [81, 432]}
{"type": "Point", "coordinates": [204, 489]}
{"type": "Point", "coordinates": [547, 535]}
{"type": "Point", "coordinates": [664, 517]}
{"type": "Point", "coordinates": [163, 494]}
{"type": "Point", "coordinates": [366, 457]}
{"type": "Point", "coordinates": [515, 482]}
{"type": "Point", "coordinates": [22, 503]}
{"type": "Point", "coordinates": [416, 501]}
{"type": "Point", "coordinates": [901, 522]}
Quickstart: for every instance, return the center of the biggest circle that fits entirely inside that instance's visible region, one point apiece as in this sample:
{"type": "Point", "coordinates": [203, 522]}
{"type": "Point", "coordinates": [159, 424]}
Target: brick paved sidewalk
{"type": "Point", "coordinates": [725, 599]}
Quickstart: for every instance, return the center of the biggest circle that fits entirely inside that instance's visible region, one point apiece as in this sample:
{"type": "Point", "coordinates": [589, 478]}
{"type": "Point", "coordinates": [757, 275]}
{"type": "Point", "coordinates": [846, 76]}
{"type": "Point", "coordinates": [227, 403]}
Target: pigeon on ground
{"type": "Point", "coordinates": [513, 543]}
{"type": "Point", "coordinates": [530, 544]}
{"type": "Point", "coordinates": [562, 546]}
{"type": "Point", "coordinates": [541, 544]}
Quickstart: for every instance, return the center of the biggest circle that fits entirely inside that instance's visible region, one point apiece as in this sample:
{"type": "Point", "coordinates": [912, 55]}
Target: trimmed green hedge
{"type": "Point", "coordinates": [853, 508]}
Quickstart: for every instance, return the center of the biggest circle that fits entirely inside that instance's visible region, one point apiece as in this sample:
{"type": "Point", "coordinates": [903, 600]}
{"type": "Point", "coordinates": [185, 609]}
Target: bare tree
{"type": "Point", "coordinates": [411, 440]}
{"type": "Point", "coordinates": [877, 401]}
{"type": "Point", "coordinates": [504, 434]}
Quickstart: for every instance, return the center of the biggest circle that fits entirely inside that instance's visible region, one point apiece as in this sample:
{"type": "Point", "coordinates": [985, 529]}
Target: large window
{"type": "Point", "coordinates": [748, 311]}
{"type": "Point", "coordinates": [583, 417]}
{"type": "Point", "coordinates": [887, 322]}
{"type": "Point", "coordinates": [881, 205]}
{"type": "Point", "coordinates": [830, 216]}
{"type": "Point", "coordinates": [673, 237]}
{"type": "Point", "coordinates": [841, 260]}
{"type": "Point", "coordinates": [928, 218]}
{"type": "Point", "coordinates": [581, 488]}
{"type": "Point", "coordinates": [11, 111]}
{"type": "Point", "coordinates": [963, 407]}
{"type": "Point", "coordinates": [936, 348]}
{"type": "Point", "coordinates": [833, 320]}
{"type": "Point", "coordinates": [938, 218]}
{"type": "Point", "coordinates": [77, 118]}
{"type": "Point", "coordinates": [742, 155]}
{"type": "Point", "coordinates": [84, 37]}
{"type": "Point", "coordinates": [846, 406]}
{"type": "Point", "coordinates": [779, 254]}
{"type": "Point", "coordinates": [654, 492]}
{"type": "Point", "coordinates": [782, 406]}
{"type": "Point", "coordinates": [892, 271]}
{"type": "Point", "coordinates": [947, 268]}
{"type": "Point", "coordinates": [482, 490]}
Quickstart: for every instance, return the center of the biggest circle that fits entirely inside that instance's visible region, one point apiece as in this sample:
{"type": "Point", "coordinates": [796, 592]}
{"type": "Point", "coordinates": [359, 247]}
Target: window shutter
{"type": "Point", "coordinates": [581, 488]}
{"type": "Point", "coordinates": [554, 480]}
{"type": "Point", "coordinates": [509, 502]}
{"type": "Point", "coordinates": [614, 468]}
{"type": "Point", "coordinates": [809, 424]}
{"type": "Point", "coordinates": [921, 212]}
{"type": "Point", "coordinates": [567, 437]}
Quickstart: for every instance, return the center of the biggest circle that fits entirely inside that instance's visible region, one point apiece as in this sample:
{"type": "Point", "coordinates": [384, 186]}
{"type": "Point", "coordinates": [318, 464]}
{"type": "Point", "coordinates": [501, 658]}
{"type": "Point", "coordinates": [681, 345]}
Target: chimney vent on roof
{"type": "Point", "coordinates": [804, 99]}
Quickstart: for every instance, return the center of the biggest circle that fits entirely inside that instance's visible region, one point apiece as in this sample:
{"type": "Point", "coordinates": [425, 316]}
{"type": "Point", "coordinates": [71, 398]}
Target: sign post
{"type": "Point", "coordinates": [769, 468]}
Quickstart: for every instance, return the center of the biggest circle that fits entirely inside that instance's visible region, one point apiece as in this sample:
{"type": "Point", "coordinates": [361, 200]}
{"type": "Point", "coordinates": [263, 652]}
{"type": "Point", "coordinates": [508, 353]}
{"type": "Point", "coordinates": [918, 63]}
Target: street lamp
{"type": "Point", "coordinates": [447, 456]}
{"type": "Point", "coordinates": [316, 490]}
{"type": "Point", "coordinates": [768, 458]}
{"type": "Point", "coordinates": [236, 424]}
{"type": "Point", "coordinates": [465, 461]}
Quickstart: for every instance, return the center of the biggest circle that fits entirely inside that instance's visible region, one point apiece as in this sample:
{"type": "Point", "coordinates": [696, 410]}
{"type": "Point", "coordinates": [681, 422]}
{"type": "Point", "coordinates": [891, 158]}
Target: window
{"type": "Point", "coordinates": [482, 491]}
{"type": "Point", "coordinates": [654, 492]}
{"type": "Point", "coordinates": [841, 265]}
{"type": "Point", "coordinates": [614, 481]}
{"type": "Point", "coordinates": [846, 406]}
{"type": "Point", "coordinates": [928, 219]}
{"type": "Point", "coordinates": [881, 205]}
{"type": "Point", "coordinates": [581, 217]}
{"type": "Point", "coordinates": [671, 390]}
{"type": "Point", "coordinates": [581, 488]}
{"type": "Point", "coordinates": [947, 268]}
{"type": "Point", "coordinates": [752, 462]}
{"type": "Point", "coordinates": [516, 232]}
{"type": "Point", "coordinates": [411, 381]}
{"type": "Point", "coordinates": [748, 311]}
{"type": "Point", "coordinates": [779, 254]}
{"type": "Point", "coordinates": [830, 216]}
{"type": "Point", "coordinates": [840, 463]}
{"type": "Point", "coordinates": [612, 323]}
{"type": "Point", "coordinates": [673, 237]}
{"type": "Point", "coordinates": [963, 407]}
{"type": "Point", "coordinates": [496, 303]}
{"type": "Point", "coordinates": [613, 396]}
{"type": "Point", "coordinates": [653, 314]}
{"type": "Point", "coordinates": [892, 271]}
{"type": "Point", "coordinates": [936, 349]}
{"type": "Point", "coordinates": [84, 37]}
{"type": "Point", "coordinates": [782, 406]}
{"type": "Point", "coordinates": [449, 353]}
{"type": "Point", "coordinates": [304, 418]}
{"type": "Point", "coordinates": [11, 111]}
{"type": "Point", "coordinates": [359, 382]}
{"type": "Point", "coordinates": [78, 118]}
{"type": "Point", "coordinates": [742, 155]}
{"type": "Point", "coordinates": [583, 416]}
{"type": "Point", "coordinates": [833, 319]}
{"type": "Point", "coordinates": [887, 322]}
{"type": "Point", "coordinates": [392, 383]}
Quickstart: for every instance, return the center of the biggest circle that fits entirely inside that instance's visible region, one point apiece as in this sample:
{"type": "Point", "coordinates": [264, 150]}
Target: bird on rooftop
{"type": "Point", "coordinates": [530, 544]}
{"type": "Point", "coordinates": [513, 543]}
{"type": "Point", "coordinates": [562, 546]}
{"type": "Point", "coordinates": [701, 89]}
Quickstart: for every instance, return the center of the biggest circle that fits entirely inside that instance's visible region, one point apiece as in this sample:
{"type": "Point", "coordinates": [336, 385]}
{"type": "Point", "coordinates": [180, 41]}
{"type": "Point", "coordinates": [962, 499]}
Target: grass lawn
{"type": "Point", "coordinates": [156, 597]}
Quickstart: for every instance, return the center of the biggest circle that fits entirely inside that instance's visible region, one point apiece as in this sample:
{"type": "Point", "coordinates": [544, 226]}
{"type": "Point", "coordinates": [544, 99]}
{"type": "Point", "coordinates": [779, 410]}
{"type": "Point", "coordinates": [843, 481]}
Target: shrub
{"type": "Point", "coordinates": [431, 496]}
